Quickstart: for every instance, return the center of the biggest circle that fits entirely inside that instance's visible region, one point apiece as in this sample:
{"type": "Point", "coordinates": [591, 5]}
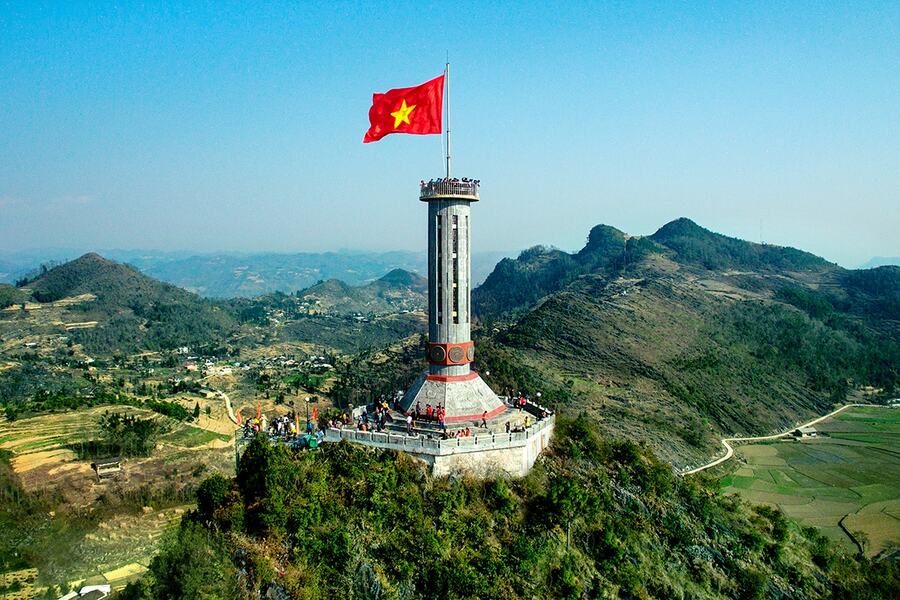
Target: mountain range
{"type": "Point", "coordinates": [881, 261]}
{"type": "Point", "coordinates": [396, 291]}
{"type": "Point", "coordinates": [673, 338]}
{"type": "Point", "coordinates": [653, 346]}
{"type": "Point", "coordinates": [108, 306]}
{"type": "Point", "coordinates": [233, 275]}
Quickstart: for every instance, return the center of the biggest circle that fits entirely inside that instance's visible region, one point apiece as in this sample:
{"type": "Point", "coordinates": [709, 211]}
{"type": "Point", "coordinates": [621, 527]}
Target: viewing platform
{"type": "Point", "coordinates": [487, 451]}
{"type": "Point", "coordinates": [456, 189]}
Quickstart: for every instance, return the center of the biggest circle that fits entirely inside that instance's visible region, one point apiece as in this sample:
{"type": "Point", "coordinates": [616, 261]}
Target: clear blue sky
{"type": "Point", "coordinates": [206, 126]}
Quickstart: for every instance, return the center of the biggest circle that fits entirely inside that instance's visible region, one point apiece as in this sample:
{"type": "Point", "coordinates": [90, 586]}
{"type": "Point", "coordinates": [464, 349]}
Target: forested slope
{"type": "Point", "coordinates": [594, 519]}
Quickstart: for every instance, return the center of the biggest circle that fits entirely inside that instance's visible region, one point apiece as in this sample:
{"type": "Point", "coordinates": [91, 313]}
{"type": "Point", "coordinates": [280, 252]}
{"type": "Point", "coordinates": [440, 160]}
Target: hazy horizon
{"type": "Point", "coordinates": [225, 129]}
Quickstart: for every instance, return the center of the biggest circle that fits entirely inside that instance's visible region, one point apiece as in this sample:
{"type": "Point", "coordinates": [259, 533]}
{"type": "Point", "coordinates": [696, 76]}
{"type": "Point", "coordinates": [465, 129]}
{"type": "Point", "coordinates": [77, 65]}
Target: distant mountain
{"type": "Point", "coordinates": [694, 244]}
{"type": "Point", "coordinates": [881, 261]}
{"type": "Point", "coordinates": [227, 276]}
{"type": "Point", "coordinates": [541, 270]}
{"type": "Point", "coordinates": [232, 275]}
{"type": "Point", "coordinates": [131, 311]}
{"type": "Point", "coordinates": [396, 291]}
{"type": "Point", "coordinates": [677, 335]}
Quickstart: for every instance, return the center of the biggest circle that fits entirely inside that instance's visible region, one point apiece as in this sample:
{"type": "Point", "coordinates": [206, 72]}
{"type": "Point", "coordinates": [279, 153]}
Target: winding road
{"type": "Point", "coordinates": [729, 450]}
{"type": "Point", "coordinates": [228, 408]}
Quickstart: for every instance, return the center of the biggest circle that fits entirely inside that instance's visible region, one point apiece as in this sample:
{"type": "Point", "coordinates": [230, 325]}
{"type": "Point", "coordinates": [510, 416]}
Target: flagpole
{"type": "Point", "coordinates": [447, 84]}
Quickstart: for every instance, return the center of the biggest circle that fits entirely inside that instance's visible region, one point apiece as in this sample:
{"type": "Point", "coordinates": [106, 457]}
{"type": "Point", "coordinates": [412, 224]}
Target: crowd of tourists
{"type": "Point", "coordinates": [377, 420]}
{"type": "Point", "coordinates": [441, 183]}
{"type": "Point", "coordinates": [285, 427]}
{"type": "Point", "coordinates": [376, 417]}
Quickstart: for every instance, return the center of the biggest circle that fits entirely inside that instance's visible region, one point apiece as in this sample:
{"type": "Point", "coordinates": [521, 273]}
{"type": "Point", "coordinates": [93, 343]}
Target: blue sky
{"type": "Point", "coordinates": [214, 126]}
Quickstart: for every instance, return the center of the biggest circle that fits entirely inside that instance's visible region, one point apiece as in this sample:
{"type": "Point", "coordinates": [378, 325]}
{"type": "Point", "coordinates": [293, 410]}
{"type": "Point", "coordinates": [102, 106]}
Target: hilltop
{"type": "Point", "coordinates": [396, 291]}
{"type": "Point", "coordinates": [106, 306]}
{"type": "Point", "coordinates": [687, 334]}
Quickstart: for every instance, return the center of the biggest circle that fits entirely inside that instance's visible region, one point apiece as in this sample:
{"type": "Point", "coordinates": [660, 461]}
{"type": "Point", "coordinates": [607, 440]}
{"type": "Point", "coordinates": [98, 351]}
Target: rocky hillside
{"type": "Point", "coordinates": [396, 291]}
{"type": "Point", "coordinates": [687, 334]}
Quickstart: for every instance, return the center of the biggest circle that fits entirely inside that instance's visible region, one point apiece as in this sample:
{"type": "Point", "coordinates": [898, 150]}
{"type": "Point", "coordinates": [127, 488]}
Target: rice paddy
{"type": "Point", "coordinates": [845, 481]}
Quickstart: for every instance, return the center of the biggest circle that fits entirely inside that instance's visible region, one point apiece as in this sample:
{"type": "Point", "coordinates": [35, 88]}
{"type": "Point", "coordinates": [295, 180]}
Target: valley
{"type": "Point", "coordinates": [844, 482]}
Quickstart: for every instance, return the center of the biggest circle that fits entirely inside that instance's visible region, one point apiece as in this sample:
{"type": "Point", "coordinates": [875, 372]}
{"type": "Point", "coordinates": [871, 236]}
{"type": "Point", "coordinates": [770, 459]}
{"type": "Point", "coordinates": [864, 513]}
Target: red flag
{"type": "Point", "coordinates": [258, 410]}
{"type": "Point", "coordinates": [238, 415]}
{"type": "Point", "coordinates": [315, 414]}
{"type": "Point", "coordinates": [407, 110]}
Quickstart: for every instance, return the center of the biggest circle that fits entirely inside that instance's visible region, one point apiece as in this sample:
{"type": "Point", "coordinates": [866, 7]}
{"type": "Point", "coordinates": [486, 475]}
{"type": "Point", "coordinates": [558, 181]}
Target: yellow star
{"type": "Point", "coordinates": [402, 114]}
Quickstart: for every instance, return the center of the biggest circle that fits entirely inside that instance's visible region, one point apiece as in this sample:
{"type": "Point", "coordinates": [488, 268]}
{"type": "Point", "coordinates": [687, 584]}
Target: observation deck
{"type": "Point", "coordinates": [455, 189]}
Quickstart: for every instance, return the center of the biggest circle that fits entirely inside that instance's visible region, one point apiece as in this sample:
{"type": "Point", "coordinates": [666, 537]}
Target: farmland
{"type": "Point", "coordinates": [846, 481]}
{"type": "Point", "coordinates": [79, 529]}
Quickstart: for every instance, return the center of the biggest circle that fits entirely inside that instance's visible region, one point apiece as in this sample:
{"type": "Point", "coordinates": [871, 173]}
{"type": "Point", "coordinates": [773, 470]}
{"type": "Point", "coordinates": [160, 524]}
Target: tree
{"type": "Point", "coordinates": [197, 411]}
{"type": "Point", "coordinates": [129, 435]}
{"type": "Point", "coordinates": [192, 565]}
{"type": "Point", "coordinates": [569, 500]}
{"type": "Point", "coordinates": [208, 411]}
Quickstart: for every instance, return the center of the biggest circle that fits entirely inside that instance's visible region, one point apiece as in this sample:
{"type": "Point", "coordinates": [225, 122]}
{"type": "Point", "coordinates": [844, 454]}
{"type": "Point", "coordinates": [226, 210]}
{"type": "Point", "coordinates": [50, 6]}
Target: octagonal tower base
{"type": "Point", "coordinates": [464, 398]}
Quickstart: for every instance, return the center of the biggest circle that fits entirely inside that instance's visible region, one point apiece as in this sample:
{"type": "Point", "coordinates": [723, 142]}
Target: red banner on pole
{"type": "Point", "coordinates": [416, 110]}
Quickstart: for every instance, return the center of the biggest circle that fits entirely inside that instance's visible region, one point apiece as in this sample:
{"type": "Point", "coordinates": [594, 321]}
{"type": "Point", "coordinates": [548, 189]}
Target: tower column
{"type": "Point", "coordinates": [449, 381]}
{"type": "Point", "coordinates": [449, 274]}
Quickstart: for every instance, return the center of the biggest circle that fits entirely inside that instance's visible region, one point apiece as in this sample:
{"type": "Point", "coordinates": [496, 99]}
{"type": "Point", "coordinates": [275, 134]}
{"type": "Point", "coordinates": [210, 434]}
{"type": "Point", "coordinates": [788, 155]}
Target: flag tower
{"type": "Point", "coordinates": [450, 382]}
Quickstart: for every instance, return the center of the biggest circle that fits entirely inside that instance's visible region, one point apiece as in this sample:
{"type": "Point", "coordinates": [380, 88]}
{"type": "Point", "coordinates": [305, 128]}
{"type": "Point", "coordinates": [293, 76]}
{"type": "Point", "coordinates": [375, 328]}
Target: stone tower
{"type": "Point", "coordinates": [450, 381]}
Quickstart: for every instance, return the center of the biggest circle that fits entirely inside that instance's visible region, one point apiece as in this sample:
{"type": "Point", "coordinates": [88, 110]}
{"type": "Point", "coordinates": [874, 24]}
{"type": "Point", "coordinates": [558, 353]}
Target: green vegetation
{"type": "Point", "coordinates": [537, 272]}
{"type": "Point", "coordinates": [138, 313]}
{"type": "Point", "coordinates": [45, 401]}
{"type": "Point", "coordinates": [673, 338]}
{"type": "Point", "coordinates": [371, 374]}
{"type": "Point", "coordinates": [349, 335]}
{"type": "Point", "coordinates": [515, 285]}
{"type": "Point", "coordinates": [846, 481]}
{"type": "Point", "coordinates": [594, 519]}
{"type": "Point", "coordinates": [193, 437]}
{"type": "Point", "coordinates": [10, 295]}
{"type": "Point", "coordinates": [688, 334]}
{"type": "Point", "coordinates": [397, 290]}
{"type": "Point", "coordinates": [37, 531]}
{"type": "Point", "coordinates": [694, 244]}
{"type": "Point", "coordinates": [191, 564]}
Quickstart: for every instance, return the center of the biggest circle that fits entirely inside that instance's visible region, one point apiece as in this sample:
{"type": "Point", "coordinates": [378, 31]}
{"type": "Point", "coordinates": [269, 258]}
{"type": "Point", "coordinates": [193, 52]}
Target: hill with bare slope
{"type": "Point", "coordinates": [685, 335]}
{"type": "Point", "coordinates": [126, 310]}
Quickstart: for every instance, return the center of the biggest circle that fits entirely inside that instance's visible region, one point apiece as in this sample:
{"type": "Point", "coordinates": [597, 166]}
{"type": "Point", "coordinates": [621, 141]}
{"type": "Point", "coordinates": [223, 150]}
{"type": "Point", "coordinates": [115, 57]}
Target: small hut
{"type": "Point", "coordinates": [107, 467]}
{"type": "Point", "coordinates": [804, 432]}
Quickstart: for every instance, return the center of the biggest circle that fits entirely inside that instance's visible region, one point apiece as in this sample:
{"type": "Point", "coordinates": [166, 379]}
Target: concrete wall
{"type": "Point", "coordinates": [512, 461]}
{"type": "Point", "coordinates": [441, 254]}
{"type": "Point", "coordinates": [506, 454]}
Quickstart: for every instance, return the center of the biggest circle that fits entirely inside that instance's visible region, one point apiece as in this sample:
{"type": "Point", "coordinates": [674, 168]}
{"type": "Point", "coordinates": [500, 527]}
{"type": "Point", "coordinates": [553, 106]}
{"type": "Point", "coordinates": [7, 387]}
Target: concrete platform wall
{"type": "Point", "coordinates": [481, 456]}
{"type": "Point", "coordinates": [513, 461]}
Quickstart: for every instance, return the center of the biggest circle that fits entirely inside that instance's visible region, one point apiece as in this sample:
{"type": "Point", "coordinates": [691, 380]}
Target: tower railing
{"type": "Point", "coordinates": [429, 445]}
{"type": "Point", "coordinates": [439, 188]}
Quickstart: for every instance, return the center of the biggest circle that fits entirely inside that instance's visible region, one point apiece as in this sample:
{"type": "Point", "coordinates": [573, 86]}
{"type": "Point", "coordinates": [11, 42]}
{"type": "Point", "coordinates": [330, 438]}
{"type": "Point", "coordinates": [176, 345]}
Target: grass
{"type": "Point", "coordinates": [852, 470]}
{"type": "Point", "coordinates": [192, 437]}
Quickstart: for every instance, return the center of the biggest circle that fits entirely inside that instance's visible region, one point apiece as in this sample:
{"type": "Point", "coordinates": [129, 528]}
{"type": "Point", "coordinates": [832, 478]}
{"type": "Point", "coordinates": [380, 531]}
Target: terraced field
{"type": "Point", "coordinates": [846, 482]}
{"type": "Point", "coordinates": [106, 532]}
